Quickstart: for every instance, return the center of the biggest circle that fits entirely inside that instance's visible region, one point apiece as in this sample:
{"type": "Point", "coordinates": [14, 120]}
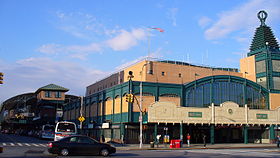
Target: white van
{"type": "Point", "coordinates": [64, 129]}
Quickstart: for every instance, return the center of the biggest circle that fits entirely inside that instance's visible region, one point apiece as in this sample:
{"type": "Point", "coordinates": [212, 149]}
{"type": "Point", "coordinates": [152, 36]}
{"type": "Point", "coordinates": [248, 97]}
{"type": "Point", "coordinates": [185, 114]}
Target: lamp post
{"type": "Point", "coordinates": [141, 113]}
{"type": "Point", "coordinates": [81, 112]}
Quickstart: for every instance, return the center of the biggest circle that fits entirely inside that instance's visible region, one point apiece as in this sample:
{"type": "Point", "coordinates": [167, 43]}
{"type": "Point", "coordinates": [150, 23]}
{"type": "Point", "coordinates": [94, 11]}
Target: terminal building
{"type": "Point", "coordinates": [225, 104]}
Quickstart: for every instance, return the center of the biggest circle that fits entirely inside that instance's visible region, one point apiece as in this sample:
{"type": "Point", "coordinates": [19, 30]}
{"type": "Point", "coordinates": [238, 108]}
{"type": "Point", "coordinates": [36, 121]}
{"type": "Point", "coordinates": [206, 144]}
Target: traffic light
{"type": "Point", "coordinates": [1, 77]}
{"type": "Point", "coordinates": [129, 98]}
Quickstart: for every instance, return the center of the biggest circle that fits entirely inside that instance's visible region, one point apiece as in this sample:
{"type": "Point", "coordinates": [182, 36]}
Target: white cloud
{"type": "Point", "coordinates": [28, 75]}
{"type": "Point", "coordinates": [243, 17]}
{"type": "Point", "coordinates": [171, 14]}
{"type": "Point", "coordinates": [204, 21]}
{"type": "Point", "coordinates": [126, 40]}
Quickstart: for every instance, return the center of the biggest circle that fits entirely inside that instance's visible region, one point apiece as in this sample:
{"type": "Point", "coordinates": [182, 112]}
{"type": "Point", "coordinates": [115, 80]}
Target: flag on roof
{"type": "Point", "coordinates": [159, 29]}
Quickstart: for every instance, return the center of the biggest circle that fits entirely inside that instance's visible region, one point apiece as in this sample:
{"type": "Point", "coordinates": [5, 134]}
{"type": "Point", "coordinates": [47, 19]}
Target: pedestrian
{"type": "Point", "coordinates": [204, 140]}
{"type": "Point", "coordinates": [188, 139]}
{"type": "Point", "coordinates": [278, 141]}
{"type": "Point", "coordinates": [103, 138]}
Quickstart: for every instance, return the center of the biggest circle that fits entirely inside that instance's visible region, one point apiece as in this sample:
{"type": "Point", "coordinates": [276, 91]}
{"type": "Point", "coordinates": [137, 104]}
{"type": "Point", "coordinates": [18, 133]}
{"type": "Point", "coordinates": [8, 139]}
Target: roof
{"type": "Point", "coordinates": [52, 87]}
{"type": "Point", "coordinates": [263, 35]}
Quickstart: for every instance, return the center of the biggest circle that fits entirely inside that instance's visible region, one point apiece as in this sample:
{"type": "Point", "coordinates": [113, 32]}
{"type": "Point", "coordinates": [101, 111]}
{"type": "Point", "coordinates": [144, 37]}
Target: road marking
{"type": "Point", "coordinates": [27, 144]}
{"type": "Point", "coordinates": [4, 144]}
{"type": "Point", "coordinates": [35, 144]}
{"type": "Point", "coordinates": [12, 144]}
{"type": "Point", "coordinates": [19, 144]}
{"type": "Point", "coordinates": [43, 145]}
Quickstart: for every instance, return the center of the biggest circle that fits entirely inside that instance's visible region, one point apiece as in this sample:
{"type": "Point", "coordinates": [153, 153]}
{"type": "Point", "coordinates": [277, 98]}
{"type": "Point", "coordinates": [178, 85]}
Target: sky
{"type": "Point", "coordinates": [74, 43]}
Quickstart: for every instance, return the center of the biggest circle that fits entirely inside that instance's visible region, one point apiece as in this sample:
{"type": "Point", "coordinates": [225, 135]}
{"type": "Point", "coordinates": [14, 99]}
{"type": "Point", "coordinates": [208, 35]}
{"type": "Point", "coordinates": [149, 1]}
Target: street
{"type": "Point", "coordinates": [22, 146]}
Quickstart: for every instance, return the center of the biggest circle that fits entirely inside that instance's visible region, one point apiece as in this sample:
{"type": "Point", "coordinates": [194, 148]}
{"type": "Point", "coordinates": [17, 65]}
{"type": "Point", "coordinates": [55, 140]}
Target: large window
{"type": "Point", "coordinates": [47, 94]}
{"type": "Point", "coordinates": [260, 66]}
{"type": "Point", "coordinates": [219, 91]}
{"type": "Point", "coordinates": [276, 65]}
{"type": "Point", "coordinates": [276, 82]}
{"type": "Point", "coordinates": [58, 94]}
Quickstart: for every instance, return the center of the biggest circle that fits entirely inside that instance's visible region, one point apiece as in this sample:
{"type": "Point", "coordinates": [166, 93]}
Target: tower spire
{"type": "Point", "coordinates": [262, 15]}
{"type": "Point", "coordinates": [264, 36]}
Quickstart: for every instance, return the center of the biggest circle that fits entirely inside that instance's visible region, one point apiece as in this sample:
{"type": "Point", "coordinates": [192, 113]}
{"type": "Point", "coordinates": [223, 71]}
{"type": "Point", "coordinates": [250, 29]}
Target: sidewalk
{"type": "Point", "coordinates": [195, 146]}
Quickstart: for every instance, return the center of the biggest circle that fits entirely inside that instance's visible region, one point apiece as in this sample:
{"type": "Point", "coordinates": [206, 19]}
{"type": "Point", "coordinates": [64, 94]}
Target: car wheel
{"type": "Point", "coordinates": [104, 152]}
{"type": "Point", "coordinates": [64, 152]}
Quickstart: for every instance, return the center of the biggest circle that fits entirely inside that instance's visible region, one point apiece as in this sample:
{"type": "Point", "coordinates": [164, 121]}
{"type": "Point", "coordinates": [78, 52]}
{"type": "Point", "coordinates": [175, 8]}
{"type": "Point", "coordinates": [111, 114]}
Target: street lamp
{"type": "Point", "coordinates": [141, 113]}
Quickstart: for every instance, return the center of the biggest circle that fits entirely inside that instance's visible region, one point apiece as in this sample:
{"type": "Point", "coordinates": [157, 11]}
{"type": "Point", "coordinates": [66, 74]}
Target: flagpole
{"type": "Point", "coordinates": [149, 42]}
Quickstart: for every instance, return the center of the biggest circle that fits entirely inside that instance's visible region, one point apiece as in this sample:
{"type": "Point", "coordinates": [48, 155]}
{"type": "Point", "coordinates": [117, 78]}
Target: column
{"type": "Point", "coordinates": [122, 132]}
{"type": "Point", "coordinates": [181, 131]}
{"type": "Point", "coordinates": [245, 134]}
{"type": "Point", "coordinates": [271, 133]}
{"type": "Point", "coordinates": [212, 134]}
{"type": "Point", "coordinates": [155, 132]}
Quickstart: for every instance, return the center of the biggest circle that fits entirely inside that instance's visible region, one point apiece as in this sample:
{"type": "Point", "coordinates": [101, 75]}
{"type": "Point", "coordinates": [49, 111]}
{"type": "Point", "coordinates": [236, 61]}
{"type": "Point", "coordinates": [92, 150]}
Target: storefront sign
{"type": "Point", "coordinates": [195, 114]}
{"type": "Point", "coordinates": [105, 125]}
{"type": "Point", "coordinates": [261, 116]}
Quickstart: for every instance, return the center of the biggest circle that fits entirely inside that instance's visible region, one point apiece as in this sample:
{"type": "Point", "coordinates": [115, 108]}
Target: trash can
{"type": "Point", "coordinates": [152, 144]}
{"type": "Point", "coordinates": [177, 143]}
{"type": "Point", "coordinates": [172, 143]}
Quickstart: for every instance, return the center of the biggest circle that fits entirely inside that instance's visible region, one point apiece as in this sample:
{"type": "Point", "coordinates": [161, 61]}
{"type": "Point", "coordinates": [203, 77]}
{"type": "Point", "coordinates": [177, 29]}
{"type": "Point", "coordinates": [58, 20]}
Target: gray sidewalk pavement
{"type": "Point", "coordinates": [195, 146]}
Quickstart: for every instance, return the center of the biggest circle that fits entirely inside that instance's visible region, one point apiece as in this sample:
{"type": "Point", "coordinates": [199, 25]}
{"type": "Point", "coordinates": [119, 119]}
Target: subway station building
{"type": "Point", "coordinates": [226, 104]}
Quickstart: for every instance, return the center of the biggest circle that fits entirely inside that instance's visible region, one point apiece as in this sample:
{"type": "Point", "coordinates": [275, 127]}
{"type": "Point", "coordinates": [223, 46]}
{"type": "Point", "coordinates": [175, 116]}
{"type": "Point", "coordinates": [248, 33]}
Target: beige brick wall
{"type": "Point", "coordinates": [147, 101]}
{"type": "Point", "coordinates": [108, 107]}
{"type": "Point", "coordinates": [172, 71]}
{"type": "Point", "coordinates": [248, 65]}
{"type": "Point", "coordinates": [227, 113]}
{"type": "Point", "coordinates": [117, 109]}
{"type": "Point", "coordinates": [41, 95]}
{"type": "Point", "coordinates": [274, 100]}
{"type": "Point", "coordinates": [175, 100]}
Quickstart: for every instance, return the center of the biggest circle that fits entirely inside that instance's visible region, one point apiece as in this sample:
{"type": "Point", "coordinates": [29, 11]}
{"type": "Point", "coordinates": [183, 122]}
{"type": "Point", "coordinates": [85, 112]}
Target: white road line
{"type": "Point", "coordinates": [19, 144]}
{"type": "Point", "coordinates": [12, 144]}
{"type": "Point", "coordinates": [35, 144]}
{"type": "Point", "coordinates": [4, 144]}
{"type": "Point", "coordinates": [27, 144]}
{"type": "Point", "coordinates": [43, 145]}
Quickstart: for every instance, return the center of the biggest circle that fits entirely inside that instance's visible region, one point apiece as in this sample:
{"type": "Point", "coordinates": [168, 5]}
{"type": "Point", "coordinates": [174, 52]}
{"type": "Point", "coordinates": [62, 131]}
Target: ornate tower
{"type": "Point", "coordinates": [265, 53]}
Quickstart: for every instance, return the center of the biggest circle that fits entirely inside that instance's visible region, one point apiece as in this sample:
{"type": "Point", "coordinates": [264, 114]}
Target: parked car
{"type": "Point", "coordinates": [47, 132]}
{"type": "Point", "coordinates": [80, 145]}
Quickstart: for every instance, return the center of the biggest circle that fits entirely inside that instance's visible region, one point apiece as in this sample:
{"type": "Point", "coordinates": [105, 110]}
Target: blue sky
{"type": "Point", "coordinates": [74, 43]}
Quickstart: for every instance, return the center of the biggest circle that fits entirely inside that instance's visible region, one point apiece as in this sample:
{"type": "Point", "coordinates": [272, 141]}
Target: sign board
{"type": "Point", "coordinates": [261, 116]}
{"type": "Point", "coordinates": [105, 125]}
{"type": "Point", "coordinates": [81, 119]}
{"type": "Point", "coordinates": [195, 114]}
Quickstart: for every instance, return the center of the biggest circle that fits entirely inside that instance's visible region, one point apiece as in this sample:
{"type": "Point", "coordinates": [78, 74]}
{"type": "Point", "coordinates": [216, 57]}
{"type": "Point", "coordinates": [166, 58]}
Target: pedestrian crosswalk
{"type": "Point", "coordinates": [25, 144]}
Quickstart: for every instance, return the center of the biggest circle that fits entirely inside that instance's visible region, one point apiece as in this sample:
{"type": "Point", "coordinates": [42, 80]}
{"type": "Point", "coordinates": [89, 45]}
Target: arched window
{"type": "Point", "coordinates": [205, 91]}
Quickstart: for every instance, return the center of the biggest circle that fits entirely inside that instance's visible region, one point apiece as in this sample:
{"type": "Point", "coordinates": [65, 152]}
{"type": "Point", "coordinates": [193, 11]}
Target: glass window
{"type": "Point", "coordinates": [58, 94]}
{"type": "Point", "coordinates": [276, 65]}
{"type": "Point", "coordinates": [262, 81]}
{"type": "Point", "coordinates": [219, 92]}
{"type": "Point", "coordinates": [47, 94]}
{"type": "Point", "coordinates": [260, 66]}
{"type": "Point", "coordinates": [162, 73]}
{"type": "Point", "coordinates": [276, 82]}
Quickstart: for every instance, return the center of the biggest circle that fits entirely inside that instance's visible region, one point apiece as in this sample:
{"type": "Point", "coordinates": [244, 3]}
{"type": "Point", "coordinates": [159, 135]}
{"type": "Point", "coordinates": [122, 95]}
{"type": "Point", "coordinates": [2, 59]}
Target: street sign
{"type": "Point", "coordinates": [81, 119]}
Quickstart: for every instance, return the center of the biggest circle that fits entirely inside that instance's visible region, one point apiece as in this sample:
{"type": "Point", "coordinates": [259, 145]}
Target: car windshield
{"type": "Point", "coordinates": [66, 127]}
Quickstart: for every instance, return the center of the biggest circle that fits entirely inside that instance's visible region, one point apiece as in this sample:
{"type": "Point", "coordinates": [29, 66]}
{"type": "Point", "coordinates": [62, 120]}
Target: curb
{"type": "Point", "coordinates": [197, 148]}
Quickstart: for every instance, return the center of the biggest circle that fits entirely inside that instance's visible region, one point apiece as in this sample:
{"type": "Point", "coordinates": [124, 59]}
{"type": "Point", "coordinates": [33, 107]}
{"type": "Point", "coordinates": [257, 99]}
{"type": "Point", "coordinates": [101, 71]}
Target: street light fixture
{"type": "Point", "coordinates": [141, 113]}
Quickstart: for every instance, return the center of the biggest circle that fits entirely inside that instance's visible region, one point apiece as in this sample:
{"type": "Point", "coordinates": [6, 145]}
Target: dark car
{"type": "Point", "coordinates": [80, 145]}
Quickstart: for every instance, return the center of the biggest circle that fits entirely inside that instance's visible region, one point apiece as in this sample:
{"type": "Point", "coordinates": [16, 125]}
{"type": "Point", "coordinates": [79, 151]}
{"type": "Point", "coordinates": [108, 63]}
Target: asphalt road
{"type": "Point", "coordinates": [29, 147]}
